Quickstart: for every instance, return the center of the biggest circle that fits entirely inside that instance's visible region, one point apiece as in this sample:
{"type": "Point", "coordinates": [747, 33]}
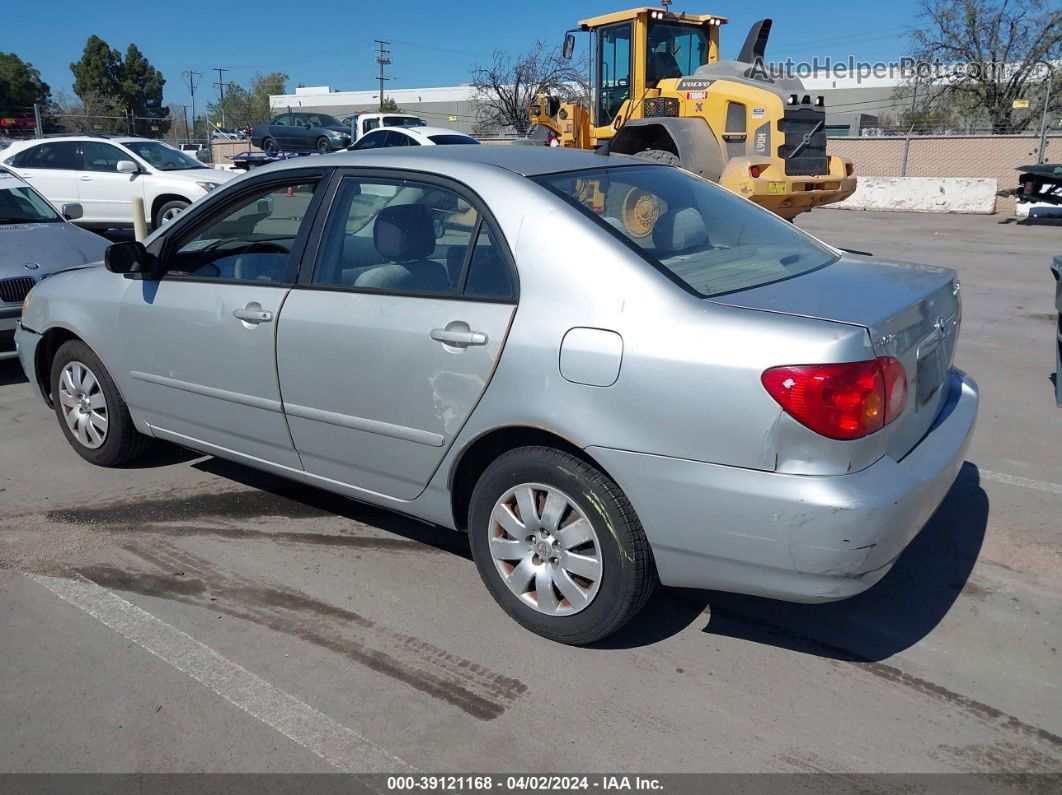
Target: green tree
{"type": "Point", "coordinates": [21, 85]}
{"type": "Point", "coordinates": [246, 106]}
{"type": "Point", "coordinates": [390, 106]}
{"type": "Point", "coordinates": [99, 72]}
{"type": "Point", "coordinates": [141, 92]}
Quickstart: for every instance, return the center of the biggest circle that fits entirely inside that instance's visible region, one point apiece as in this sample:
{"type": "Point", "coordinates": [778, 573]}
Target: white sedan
{"type": "Point", "coordinates": [411, 136]}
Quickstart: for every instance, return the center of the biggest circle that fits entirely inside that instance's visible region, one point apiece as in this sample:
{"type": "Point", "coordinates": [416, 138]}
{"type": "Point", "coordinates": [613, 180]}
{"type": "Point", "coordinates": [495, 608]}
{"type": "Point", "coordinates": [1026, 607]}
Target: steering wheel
{"type": "Point", "coordinates": [242, 259]}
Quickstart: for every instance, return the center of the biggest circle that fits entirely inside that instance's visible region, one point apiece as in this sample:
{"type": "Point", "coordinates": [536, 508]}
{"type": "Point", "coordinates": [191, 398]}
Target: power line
{"type": "Point", "coordinates": [220, 86]}
{"type": "Point", "coordinates": [383, 60]}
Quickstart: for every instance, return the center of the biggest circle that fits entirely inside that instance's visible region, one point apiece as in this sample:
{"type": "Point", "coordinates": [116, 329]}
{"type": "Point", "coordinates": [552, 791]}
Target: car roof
{"type": "Point", "coordinates": [526, 160]}
{"type": "Point", "coordinates": [118, 139]}
{"type": "Point", "coordinates": [427, 131]}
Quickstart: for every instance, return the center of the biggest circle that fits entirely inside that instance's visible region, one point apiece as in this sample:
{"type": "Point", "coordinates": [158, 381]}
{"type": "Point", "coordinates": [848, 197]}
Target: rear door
{"type": "Point", "coordinates": [52, 169]}
{"type": "Point", "coordinates": [200, 342]}
{"type": "Point", "coordinates": [385, 347]}
{"type": "Point", "coordinates": [104, 193]}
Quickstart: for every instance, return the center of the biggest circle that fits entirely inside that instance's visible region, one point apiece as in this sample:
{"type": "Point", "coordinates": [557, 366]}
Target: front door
{"type": "Point", "coordinates": [199, 342]}
{"type": "Point", "coordinates": [385, 350]}
{"type": "Point", "coordinates": [106, 194]}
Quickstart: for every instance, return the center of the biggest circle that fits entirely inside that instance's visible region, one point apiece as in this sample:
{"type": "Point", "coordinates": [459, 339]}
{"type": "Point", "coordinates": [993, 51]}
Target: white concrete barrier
{"type": "Point", "coordinates": [975, 195]}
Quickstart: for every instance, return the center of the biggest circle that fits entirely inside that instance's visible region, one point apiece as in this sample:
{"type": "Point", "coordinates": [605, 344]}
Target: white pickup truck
{"type": "Point", "coordinates": [361, 123]}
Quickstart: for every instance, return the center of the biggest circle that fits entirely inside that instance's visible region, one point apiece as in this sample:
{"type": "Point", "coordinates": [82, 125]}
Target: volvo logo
{"type": "Point", "coordinates": [30, 266]}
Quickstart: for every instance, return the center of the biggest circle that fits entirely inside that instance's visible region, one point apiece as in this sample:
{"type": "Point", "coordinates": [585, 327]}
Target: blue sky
{"type": "Point", "coordinates": [434, 43]}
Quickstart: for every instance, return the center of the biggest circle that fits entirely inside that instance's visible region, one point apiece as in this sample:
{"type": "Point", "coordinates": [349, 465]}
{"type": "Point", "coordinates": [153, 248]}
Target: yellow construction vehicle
{"type": "Point", "coordinates": [661, 92]}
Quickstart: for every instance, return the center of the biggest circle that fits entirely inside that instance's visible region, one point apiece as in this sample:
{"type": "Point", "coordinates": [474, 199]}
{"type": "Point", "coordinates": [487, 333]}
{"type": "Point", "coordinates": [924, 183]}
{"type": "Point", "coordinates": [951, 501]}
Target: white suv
{"type": "Point", "coordinates": [103, 173]}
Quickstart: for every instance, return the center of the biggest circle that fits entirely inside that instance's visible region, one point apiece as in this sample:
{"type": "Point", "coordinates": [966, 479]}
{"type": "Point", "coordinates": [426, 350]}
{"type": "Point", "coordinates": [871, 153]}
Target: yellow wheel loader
{"type": "Point", "coordinates": [661, 92]}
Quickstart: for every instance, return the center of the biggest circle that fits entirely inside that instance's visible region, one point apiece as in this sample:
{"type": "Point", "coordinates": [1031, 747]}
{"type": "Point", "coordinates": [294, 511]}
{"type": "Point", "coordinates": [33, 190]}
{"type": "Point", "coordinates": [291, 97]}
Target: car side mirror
{"type": "Point", "coordinates": [73, 211]}
{"type": "Point", "coordinates": [129, 257]}
{"type": "Point", "coordinates": [127, 167]}
{"type": "Point", "coordinates": [569, 46]}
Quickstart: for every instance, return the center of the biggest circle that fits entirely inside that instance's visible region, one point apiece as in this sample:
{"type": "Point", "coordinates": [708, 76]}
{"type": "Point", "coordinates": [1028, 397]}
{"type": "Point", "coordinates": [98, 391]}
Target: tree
{"type": "Point", "coordinates": [141, 92]}
{"type": "Point", "coordinates": [981, 55]}
{"type": "Point", "coordinates": [21, 86]}
{"type": "Point", "coordinates": [91, 113]}
{"type": "Point", "coordinates": [243, 107]}
{"type": "Point", "coordinates": [503, 89]}
{"type": "Point", "coordinates": [132, 86]}
{"type": "Point", "coordinates": [390, 105]}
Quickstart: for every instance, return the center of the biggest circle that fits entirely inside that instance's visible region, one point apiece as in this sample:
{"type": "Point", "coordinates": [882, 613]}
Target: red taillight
{"type": "Point", "coordinates": [250, 131]}
{"type": "Point", "coordinates": [849, 169]}
{"type": "Point", "coordinates": [755, 171]}
{"type": "Point", "coordinates": [841, 401]}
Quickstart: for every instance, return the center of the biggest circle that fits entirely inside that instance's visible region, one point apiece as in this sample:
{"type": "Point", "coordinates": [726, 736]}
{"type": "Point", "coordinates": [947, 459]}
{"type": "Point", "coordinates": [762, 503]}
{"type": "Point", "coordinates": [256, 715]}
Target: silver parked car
{"type": "Point", "coordinates": [606, 371]}
{"type": "Point", "coordinates": [36, 241]}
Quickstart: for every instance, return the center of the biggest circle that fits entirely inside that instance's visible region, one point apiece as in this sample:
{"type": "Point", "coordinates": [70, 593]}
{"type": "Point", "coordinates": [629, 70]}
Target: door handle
{"type": "Point", "coordinates": [457, 338]}
{"type": "Point", "coordinates": [85, 178]}
{"type": "Point", "coordinates": [251, 315]}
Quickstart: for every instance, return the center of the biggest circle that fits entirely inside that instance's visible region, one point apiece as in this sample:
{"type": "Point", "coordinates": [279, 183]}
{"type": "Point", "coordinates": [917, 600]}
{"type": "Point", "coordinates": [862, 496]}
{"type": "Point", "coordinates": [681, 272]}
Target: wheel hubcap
{"type": "Point", "coordinates": [83, 404]}
{"type": "Point", "coordinates": [170, 214]}
{"type": "Point", "coordinates": [545, 549]}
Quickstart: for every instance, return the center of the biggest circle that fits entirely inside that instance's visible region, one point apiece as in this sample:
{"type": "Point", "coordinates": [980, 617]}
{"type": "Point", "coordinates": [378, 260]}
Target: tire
{"type": "Point", "coordinates": [659, 156]}
{"type": "Point", "coordinates": [98, 397]}
{"type": "Point", "coordinates": [545, 477]}
{"type": "Point", "coordinates": [168, 211]}
{"type": "Point", "coordinates": [269, 146]}
{"type": "Point", "coordinates": [323, 146]}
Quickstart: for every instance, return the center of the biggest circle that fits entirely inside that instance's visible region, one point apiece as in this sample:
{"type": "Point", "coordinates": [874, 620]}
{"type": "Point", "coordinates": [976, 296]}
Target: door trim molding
{"type": "Point", "coordinates": [208, 391]}
{"type": "Point", "coordinates": [369, 426]}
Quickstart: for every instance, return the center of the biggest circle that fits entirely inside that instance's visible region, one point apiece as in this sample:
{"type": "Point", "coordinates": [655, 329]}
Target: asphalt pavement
{"type": "Point", "coordinates": [187, 614]}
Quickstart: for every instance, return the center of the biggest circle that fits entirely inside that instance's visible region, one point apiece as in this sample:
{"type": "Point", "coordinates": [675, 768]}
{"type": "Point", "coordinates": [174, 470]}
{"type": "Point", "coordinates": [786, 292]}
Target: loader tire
{"type": "Point", "coordinates": [659, 156]}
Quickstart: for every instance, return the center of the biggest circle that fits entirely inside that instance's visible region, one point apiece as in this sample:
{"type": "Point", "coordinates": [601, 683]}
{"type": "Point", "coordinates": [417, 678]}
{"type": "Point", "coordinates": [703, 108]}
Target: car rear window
{"type": "Point", "coordinates": [703, 236]}
{"type": "Point", "coordinates": [451, 139]}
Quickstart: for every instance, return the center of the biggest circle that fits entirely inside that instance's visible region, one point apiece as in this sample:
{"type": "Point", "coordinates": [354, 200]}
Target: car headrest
{"type": "Point", "coordinates": [680, 230]}
{"type": "Point", "coordinates": [404, 233]}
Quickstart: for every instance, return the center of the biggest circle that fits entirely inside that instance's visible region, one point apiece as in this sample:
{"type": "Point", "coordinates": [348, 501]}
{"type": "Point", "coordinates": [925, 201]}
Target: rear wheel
{"type": "Point", "coordinates": [323, 146]}
{"type": "Point", "coordinates": [269, 146]}
{"type": "Point", "coordinates": [659, 156]}
{"type": "Point", "coordinates": [90, 410]}
{"type": "Point", "coordinates": [558, 545]}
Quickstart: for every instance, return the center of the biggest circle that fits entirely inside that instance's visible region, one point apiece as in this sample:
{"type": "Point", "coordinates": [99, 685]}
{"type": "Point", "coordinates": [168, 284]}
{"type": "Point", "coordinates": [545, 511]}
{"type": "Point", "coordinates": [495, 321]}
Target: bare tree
{"type": "Point", "coordinates": [93, 112]}
{"type": "Point", "coordinates": [504, 88]}
{"type": "Point", "coordinates": [986, 54]}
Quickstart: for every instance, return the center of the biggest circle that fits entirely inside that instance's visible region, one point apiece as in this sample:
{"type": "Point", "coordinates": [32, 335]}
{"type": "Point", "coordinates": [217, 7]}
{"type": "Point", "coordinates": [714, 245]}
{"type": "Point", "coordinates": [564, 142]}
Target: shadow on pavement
{"type": "Point", "coordinates": [301, 497]}
{"type": "Point", "coordinates": [11, 373]}
{"type": "Point", "coordinates": [893, 615]}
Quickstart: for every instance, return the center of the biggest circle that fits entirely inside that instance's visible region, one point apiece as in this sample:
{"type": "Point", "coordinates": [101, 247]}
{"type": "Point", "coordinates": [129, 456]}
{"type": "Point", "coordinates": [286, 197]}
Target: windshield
{"type": "Point", "coordinates": [403, 121]}
{"type": "Point", "coordinates": [20, 204]}
{"type": "Point", "coordinates": [451, 139]}
{"type": "Point", "coordinates": [675, 50]}
{"type": "Point", "coordinates": [163, 157]}
{"type": "Point", "coordinates": [703, 236]}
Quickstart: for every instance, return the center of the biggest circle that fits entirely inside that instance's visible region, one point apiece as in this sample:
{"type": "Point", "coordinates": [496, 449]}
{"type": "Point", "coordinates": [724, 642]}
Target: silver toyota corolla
{"type": "Point", "coordinates": [607, 372]}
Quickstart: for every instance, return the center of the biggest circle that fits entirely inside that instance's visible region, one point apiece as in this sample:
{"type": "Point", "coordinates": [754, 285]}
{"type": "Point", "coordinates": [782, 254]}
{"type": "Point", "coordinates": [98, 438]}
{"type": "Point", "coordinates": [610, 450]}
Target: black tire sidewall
{"type": "Point", "coordinates": [327, 147]}
{"type": "Point", "coordinates": [107, 453]}
{"type": "Point", "coordinates": [157, 220]}
{"type": "Point", "coordinates": [267, 148]}
{"type": "Point", "coordinates": [582, 483]}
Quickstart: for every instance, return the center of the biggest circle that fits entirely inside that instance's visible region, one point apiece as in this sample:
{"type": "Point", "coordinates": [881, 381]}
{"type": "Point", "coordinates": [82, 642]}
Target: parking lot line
{"type": "Point", "coordinates": [333, 742]}
{"type": "Point", "coordinates": [1014, 480]}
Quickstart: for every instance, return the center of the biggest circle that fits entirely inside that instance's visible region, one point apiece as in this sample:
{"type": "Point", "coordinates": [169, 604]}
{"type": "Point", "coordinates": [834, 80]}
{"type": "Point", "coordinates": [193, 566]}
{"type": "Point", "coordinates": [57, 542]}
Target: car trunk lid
{"type": "Point", "coordinates": [912, 312]}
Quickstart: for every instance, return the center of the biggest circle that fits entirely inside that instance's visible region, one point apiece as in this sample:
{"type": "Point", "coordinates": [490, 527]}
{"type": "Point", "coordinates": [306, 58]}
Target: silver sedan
{"type": "Point", "coordinates": [608, 372]}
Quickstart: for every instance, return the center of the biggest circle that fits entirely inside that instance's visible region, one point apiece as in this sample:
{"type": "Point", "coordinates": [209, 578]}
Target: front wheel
{"type": "Point", "coordinates": [91, 410]}
{"type": "Point", "coordinates": [558, 545]}
{"type": "Point", "coordinates": [168, 211]}
{"type": "Point", "coordinates": [269, 146]}
{"type": "Point", "coordinates": [323, 146]}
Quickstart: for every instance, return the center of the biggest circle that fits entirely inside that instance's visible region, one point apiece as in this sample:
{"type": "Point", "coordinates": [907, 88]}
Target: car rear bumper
{"type": "Point", "coordinates": [792, 537]}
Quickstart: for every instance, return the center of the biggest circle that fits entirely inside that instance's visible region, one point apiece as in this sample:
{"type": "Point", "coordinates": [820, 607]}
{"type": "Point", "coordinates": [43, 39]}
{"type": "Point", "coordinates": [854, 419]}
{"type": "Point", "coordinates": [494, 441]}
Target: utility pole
{"type": "Point", "coordinates": [383, 60]}
{"type": "Point", "coordinates": [220, 85]}
{"type": "Point", "coordinates": [192, 83]}
{"type": "Point", "coordinates": [38, 130]}
{"type": "Point", "coordinates": [1043, 119]}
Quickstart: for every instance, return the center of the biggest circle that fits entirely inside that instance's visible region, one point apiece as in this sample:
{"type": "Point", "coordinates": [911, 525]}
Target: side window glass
{"type": "Point", "coordinates": [488, 272]}
{"type": "Point", "coordinates": [252, 241]}
{"type": "Point", "coordinates": [60, 155]}
{"type": "Point", "coordinates": [282, 121]}
{"type": "Point", "coordinates": [372, 124]}
{"type": "Point", "coordinates": [396, 236]}
{"type": "Point", "coordinates": [101, 157]}
{"type": "Point", "coordinates": [371, 141]}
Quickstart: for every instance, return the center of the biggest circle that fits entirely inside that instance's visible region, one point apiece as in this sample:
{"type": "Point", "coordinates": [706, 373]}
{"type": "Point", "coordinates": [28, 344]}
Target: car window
{"type": "Point", "coordinates": [371, 124]}
{"type": "Point", "coordinates": [398, 236]}
{"type": "Point", "coordinates": [252, 241]}
{"type": "Point", "coordinates": [56, 154]}
{"type": "Point", "coordinates": [403, 121]}
{"type": "Point", "coordinates": [443, 140]}
{"type": "Point", "coordinates": [488, 272]}
{"type": "Point", "coordinates": [282, 121]}
{"type": "Point", "coordinates": [372, 140]}
{"type": "Point", "coordinates": [96, 156]}
{"type": "Point", "coordinates": [164, 157]}
{"type": "Point", "coordinates": [703, 236]}
{"type": "Point", "coordinates": [323, 120]}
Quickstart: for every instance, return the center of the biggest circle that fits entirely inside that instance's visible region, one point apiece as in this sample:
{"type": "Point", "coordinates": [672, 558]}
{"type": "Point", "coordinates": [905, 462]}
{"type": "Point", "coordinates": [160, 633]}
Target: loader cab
{"type": "Point", "coordinates": [632, 51]}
